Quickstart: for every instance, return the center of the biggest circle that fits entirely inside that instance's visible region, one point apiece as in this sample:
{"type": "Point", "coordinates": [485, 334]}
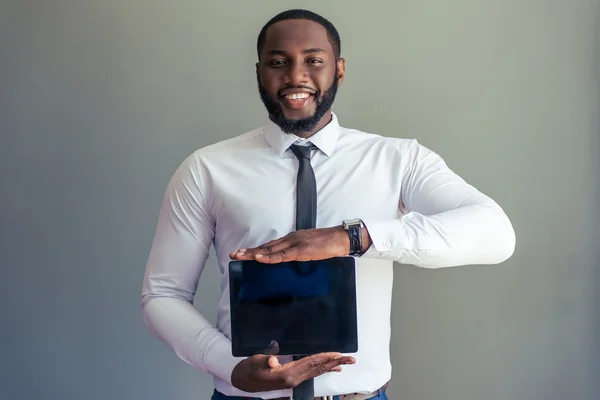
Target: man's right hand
{"type": "Point", "coordinates": [262, 373]}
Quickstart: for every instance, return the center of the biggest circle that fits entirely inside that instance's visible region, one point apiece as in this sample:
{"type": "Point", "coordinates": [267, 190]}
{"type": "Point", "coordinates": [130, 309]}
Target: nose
{"type": "Point", "coordinates": [296, 74]}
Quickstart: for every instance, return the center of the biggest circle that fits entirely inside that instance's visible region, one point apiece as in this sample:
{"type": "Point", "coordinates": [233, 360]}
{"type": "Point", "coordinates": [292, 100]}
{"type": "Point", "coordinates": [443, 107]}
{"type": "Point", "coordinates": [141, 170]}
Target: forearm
{"type": "Point", "coordinates": [196, 341]}
{"type": "Point", "coordinates": [475, 233]}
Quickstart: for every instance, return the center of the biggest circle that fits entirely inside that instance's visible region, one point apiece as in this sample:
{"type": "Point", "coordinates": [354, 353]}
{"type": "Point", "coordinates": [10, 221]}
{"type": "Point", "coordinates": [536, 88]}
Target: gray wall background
{"type": "Point", "coordinates": [101, 100]}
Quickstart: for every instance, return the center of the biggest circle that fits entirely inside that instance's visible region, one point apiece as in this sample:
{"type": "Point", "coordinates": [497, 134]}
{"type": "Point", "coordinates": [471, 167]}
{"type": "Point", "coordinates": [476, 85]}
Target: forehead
{"type": "Point", "coordinates": [296, 35]}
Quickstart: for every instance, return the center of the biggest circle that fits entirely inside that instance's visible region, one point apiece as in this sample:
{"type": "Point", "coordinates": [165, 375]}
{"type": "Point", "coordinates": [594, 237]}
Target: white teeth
{"type": "Point", "coordinates": [296, 96]}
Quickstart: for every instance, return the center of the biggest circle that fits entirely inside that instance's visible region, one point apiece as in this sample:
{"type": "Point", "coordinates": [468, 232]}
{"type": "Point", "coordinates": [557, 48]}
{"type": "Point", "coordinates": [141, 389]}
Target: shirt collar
{"type": "Point", "coordinates": [325, 139]}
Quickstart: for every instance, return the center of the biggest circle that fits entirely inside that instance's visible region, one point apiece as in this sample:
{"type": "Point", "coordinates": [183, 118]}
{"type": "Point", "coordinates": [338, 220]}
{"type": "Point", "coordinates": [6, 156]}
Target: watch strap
{"type": "Point", "coordinates": [353, 227]}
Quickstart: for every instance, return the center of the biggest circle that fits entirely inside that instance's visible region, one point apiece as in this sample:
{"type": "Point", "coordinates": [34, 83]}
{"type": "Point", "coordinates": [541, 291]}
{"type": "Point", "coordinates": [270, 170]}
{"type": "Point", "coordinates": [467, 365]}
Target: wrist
{"type": "Point", "coordinates": [366, 239]}
{"type": "Point", "coordinates": [343, 240]}
{"type": "Point", "coordinates": [358, 239]}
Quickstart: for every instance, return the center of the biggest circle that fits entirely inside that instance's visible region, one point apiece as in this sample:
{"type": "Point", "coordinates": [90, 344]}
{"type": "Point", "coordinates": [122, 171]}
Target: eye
{"type": "Point", "coordinates": [314, 61]}
{"type": "Point", "coordinates": [277, 63]}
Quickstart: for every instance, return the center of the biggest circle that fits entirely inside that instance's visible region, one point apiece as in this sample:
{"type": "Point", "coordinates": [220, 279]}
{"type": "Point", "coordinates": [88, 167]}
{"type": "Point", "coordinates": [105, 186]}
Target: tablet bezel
{"type": "Point", "coordinates": [348, 265]}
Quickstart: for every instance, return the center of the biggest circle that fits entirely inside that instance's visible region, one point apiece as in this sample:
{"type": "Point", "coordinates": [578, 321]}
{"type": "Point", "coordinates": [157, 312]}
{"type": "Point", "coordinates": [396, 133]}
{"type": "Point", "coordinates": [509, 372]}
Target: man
{"type": "Point", "coordinates": [241, 196]}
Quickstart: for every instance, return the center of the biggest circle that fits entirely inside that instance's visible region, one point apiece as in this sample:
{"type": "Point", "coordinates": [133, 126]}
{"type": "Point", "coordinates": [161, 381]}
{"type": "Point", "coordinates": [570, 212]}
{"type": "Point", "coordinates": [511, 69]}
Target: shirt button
{"type": "Point", "coordinates": [387, 245]}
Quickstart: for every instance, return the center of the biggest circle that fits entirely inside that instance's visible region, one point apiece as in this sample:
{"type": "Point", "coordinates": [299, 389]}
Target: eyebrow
{"type": "Point", "coordinates": [307, 51]}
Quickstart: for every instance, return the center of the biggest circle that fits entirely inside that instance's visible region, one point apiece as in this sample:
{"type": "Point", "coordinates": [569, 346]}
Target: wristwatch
{"type": "Point", "coordinates": [354, 229]}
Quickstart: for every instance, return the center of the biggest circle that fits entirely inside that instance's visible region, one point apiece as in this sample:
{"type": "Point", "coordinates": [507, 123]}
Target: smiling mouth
{"type": "Point", "coordinates": [297, 101]}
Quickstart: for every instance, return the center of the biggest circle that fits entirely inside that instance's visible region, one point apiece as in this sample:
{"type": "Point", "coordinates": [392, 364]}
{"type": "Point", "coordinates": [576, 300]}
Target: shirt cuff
{"type": "Point", "coordinates": [386, 236]}
{"type": "Point", "coordinates": [218, 359]}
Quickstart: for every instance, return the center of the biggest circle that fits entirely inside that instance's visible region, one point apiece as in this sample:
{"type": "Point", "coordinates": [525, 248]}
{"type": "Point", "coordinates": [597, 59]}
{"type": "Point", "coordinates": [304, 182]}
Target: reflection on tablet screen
{"type": "Point", "coordinates": [307, 307]}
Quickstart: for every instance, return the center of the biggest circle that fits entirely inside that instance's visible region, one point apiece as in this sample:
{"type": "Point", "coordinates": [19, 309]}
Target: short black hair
{"type": "Point", "coordinates": [332, 33]}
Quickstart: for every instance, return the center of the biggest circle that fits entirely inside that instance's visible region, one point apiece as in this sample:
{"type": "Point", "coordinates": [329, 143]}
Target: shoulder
{"type": "Point", "coordinates": [396, 152]}
{"type": "Point", "coordinates": [226, 148]}
{"type": "Point", "coordinates": [194, 167]}
{"type": "Point", "coordinates": [253, 138]}
{"type": "Point", "coordinates": [377, 142]}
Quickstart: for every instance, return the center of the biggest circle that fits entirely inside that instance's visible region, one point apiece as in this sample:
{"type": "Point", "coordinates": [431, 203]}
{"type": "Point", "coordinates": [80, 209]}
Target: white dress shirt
{"type": "Point", "coordinates": [241, 193]}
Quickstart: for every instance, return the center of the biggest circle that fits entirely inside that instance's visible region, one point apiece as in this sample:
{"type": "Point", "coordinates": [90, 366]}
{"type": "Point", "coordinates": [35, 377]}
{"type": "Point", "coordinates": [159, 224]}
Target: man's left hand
{"type": "Point", "coordinates": [301, 245]}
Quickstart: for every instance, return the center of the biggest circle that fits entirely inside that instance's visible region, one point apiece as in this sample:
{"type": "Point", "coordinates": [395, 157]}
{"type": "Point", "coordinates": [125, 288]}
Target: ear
{"type": "Point", "coordinates": [257, 66]}
{"type": "Point", "coordinates": [341, 67]}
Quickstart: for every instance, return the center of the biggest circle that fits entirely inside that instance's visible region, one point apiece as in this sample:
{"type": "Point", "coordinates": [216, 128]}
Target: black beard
{"type": "Point", "coordinates": [304, 125]}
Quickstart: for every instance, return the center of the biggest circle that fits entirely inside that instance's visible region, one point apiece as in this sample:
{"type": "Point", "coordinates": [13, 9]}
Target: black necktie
{"type": "Point", "coordinates": [306, 189]}
{"type": "Point", "coordinates": [306, 218]}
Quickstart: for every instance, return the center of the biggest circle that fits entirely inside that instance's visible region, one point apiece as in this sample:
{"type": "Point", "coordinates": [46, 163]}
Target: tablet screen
{"type": "Point", "coordinates": [307, 307]}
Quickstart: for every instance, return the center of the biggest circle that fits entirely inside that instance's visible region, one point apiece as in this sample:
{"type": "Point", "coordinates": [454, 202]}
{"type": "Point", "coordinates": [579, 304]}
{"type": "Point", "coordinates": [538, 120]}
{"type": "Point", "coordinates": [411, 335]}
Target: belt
{"type": "Point", "coordinates": [351, 396]}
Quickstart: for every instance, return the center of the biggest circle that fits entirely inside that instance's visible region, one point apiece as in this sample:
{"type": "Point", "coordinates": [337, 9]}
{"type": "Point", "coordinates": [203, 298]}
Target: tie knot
{"type": "Point", "coordinates": [301, 151]}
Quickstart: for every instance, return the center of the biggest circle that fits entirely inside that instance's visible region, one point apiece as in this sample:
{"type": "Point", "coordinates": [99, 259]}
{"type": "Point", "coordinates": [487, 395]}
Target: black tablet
{"type": "Point", "coordinates": [307, 307]}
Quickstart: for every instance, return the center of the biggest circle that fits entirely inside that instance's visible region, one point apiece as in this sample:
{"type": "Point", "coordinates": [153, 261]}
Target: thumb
{"type": "Point", "coordinates": [274, 362]}
{"type": "Point", "coordinates": [272, 349]}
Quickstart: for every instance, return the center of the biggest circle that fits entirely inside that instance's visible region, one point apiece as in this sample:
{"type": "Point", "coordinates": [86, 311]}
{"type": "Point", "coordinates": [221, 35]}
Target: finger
{"type": "Point", "coordinates": [336, 364]}
{"type": "Point", "coordinates": [315, 360]}
{"type": "Point", "coordinates": [242, 255]}
{"type": "Point", "coordinates": [271, 244]}
{"type": "Point", "coordinates": [331, 366]}
{"type": "Point", "coordinates": [270, 248]}
{"type": "Point", "coordinates": [278, 245]}
{"type": "Point", "coordinates": [235, 255]}
{"type": "Point", "coordinates": [284, 255]}
{"type": "Point", "coordinates": [267, 248]}
{"type": "Point", "coordinates": [268, 245]}
{"type": "Point", "coordinates": [316, 365]}
{"type": "Point", "coordinates": [330, 362]}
